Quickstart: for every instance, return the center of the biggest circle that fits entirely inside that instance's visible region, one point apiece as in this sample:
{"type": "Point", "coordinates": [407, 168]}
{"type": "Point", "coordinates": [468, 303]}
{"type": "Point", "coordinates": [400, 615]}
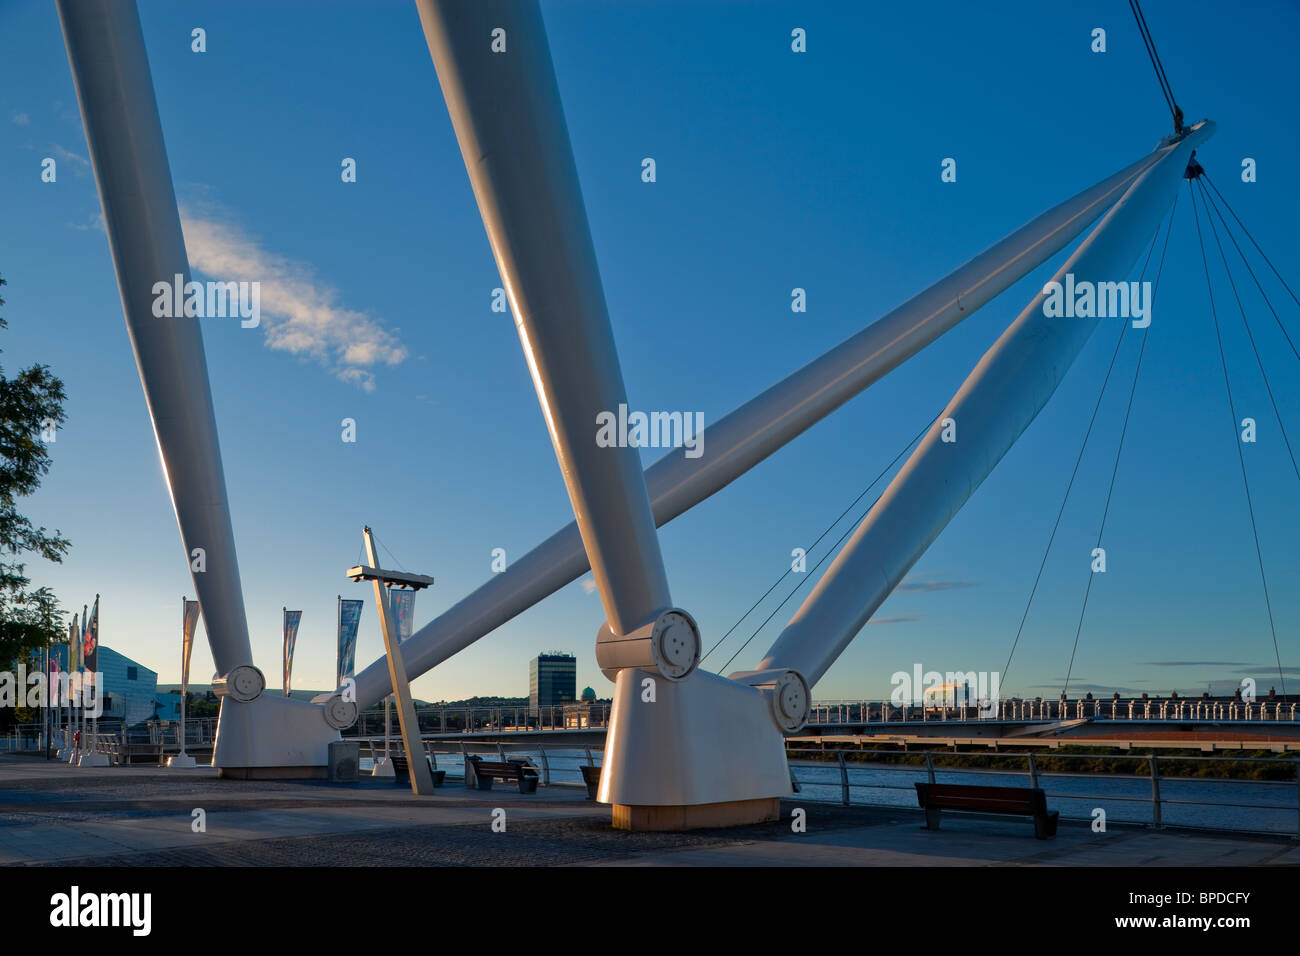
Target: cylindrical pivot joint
{"type": "Point", "coordinates": [669, 645]}
{"type": "Point", "coordinates": [790, 701]}
{"type": "Point", "coordinates": [787, 692]}
{"type": "Point", "coordinates": [340, 714]}
{"type": "Point", "coordinates": [244, 683]}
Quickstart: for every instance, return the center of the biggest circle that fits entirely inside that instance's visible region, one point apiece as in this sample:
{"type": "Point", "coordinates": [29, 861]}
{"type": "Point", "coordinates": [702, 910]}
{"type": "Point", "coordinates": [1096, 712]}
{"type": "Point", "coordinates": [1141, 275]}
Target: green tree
{"type": "Point", "coordinates": [30, 403]}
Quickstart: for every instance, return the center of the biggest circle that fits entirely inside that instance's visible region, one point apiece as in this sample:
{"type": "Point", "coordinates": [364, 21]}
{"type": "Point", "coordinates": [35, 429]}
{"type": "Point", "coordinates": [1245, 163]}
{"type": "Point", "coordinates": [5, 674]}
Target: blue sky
{"type": "Point", "coordinates": [775, 170]}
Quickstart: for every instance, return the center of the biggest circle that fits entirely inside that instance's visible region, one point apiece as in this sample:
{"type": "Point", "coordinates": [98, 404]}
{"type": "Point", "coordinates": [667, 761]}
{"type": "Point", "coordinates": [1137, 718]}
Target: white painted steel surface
{"type": "Point", "coordinates": [115, 91]}
{"type": "Point", "coordinates": [703, 740]}
{"type": "Point", "coordinates": [997, 402]}
{"type": "Point", "coordinates": [505, 108]}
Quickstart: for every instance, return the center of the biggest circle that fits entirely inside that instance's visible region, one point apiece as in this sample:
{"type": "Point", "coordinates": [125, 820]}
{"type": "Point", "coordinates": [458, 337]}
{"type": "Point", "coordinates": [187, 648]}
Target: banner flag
{"type": "Point", "coordinates": [402, 601]}
{"type": "Point", "coordinates": [291, 619]}
{"type": "Point", "coordinates": [75, 643]}
{"type": "Point", "coordinates": [91, 646]}
{"type": "Point", "coordinates": [349, 624]}
{"type": "Point", "coordinates": [188, 624]}
{"type": "Point", "coordinates": [55, 669]}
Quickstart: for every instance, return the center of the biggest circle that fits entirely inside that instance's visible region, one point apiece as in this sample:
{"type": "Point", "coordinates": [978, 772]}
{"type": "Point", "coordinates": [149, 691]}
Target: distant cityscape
{"type": "Point", "coordinates": [132, 694]}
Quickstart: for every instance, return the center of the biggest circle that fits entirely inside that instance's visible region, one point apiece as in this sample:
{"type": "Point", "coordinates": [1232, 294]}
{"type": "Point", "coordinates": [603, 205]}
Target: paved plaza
{"type": "Point", "coordinates": [53, 814]}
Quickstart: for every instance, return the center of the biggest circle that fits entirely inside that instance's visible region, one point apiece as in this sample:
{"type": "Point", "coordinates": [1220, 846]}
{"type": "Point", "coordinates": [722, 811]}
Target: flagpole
{"type": "Point", "coordinates": [58, 706]}
{"type": "Point", "coordinates": [67, 727]}
{"type": "Point", "coordinates": [284, 636]}
{"type": "Point", "coordinates": [45, 705]}
{"type": "Point", "coordinates": [94, 720]}
{"type": "Point", "coordinates": [81, 670]}
{"type": "Point", "coordinates": [72, 663]}
{"type": "Point", "coordinates": [338, 632]}
{"type": "Point", "coordinates": [182, 760]}
{"type": "Point", "coordinates": [183, 623]}
{"type": "Point", "coordinates": [94, 757]}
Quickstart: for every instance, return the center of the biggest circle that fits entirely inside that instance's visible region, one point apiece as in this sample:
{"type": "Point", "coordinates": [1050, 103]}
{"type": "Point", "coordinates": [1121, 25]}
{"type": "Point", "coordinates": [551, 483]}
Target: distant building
{"type": "Point", "coordinates": [130, 688]}
{"type": "Point", "coordinates": [552, 681]}
{"type": "Point", "coordinates": [588, 694]}
{"type": "Point", "coordinates": [169, 704]}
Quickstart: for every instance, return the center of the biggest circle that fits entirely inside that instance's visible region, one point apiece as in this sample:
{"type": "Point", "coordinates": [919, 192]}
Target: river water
{"type": "Point", "coordinates": [1248, 805]}
{"type": "Point", "coordinates": [1217, 804]}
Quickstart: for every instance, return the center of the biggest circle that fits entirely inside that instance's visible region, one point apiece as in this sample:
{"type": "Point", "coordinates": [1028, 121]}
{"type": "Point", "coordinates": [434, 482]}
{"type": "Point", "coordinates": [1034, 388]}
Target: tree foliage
{"type": "Point", "coordinates": [30, 403]}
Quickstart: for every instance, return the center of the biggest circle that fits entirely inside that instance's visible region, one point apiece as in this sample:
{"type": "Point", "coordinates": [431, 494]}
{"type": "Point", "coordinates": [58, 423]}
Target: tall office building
{"type": "Point", "coordinates": [552, 680]}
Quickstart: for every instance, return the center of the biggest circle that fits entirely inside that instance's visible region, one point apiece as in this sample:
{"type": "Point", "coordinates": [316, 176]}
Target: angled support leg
{"type": "Point", "coordinates": [495, 69]}
{"type": "Point", "coordinates": [997, 402]}
{"type": "Point", "coordinates": [110, 70]}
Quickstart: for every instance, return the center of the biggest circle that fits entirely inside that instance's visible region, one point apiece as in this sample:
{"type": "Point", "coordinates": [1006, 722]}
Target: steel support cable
{"type": "Point", "coordinates": [1241, 458]}
{"type": "Point", "coordinates": [1205, 198]}
{"type": "Point", "coordinates": [1078, 460]}
{"type": "Point", "coordinates": [1276, 317]}
{"type": "Point", "coordinates": [919, 435]}
{"type": "Point", "coordinates": [1119, 451]}
{"type": "Point", "coordinates": [1159, 67]}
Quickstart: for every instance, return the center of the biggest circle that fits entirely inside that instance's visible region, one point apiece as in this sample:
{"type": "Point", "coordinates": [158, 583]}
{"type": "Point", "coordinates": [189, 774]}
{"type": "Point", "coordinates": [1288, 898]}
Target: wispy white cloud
{"type": "Point", "coordinates": [300, 314]}
{"type": "Point", "coordinates": [93, 223]}
{"type": "Point", "coordinates": [20, 119]}
{"type": "Point", "coordinates": [589, 585]}
{"type": "Point", "coordinates": [80, 162]}
{"type": "Point", "coordinates": [919, 585]}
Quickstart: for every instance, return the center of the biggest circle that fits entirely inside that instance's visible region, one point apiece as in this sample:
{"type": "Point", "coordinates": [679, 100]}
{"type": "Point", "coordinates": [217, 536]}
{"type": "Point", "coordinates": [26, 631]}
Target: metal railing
{"type": "Point", "coordinates": [1034, 777]}
{"type": "Point", "coordinates": [154, 738]}
{"type": "Point", "coordinates": [823, 713]}
{"type": "Point", "coordinates": [21, 739]}
{"type": "Point", "coordinates": [541, 758]}
{"type": "Point", "coordinates": [450, 720]}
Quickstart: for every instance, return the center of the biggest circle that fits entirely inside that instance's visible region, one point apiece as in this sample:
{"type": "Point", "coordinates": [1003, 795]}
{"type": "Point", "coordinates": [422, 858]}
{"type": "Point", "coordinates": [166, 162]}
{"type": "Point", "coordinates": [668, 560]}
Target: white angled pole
{"type": "Point", "coordinates": [997, 402]}
{"type": "Point", "coordinates": [421, 775]}
{"type": "Point", "coordinates": [506, 111]}
{"type": "Point", "coordinates": [110, 71]}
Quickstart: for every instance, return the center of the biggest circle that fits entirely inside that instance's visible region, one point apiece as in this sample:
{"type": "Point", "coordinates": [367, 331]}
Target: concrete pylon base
{"type": "Point", "coordinates": [272, 738]}
{"type": "Point", "coordinates": [93, 760]}
{"type": "Point", "coordinates": [701, 752]}
{"type": "Point", "coordinates": [273, 773]}
{"type": "Point", "coordinates": [736, 813]}
{"type": "Point", "coordinates": [181, 761]}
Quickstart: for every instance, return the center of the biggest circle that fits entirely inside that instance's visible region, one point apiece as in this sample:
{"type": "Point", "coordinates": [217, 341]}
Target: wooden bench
{"type": "Point", "coordinates": [402, 769]}
{"type": "Point", "coordinates": [1016, 801]}
{"type": "Point", "coordinates": [486, 771]}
